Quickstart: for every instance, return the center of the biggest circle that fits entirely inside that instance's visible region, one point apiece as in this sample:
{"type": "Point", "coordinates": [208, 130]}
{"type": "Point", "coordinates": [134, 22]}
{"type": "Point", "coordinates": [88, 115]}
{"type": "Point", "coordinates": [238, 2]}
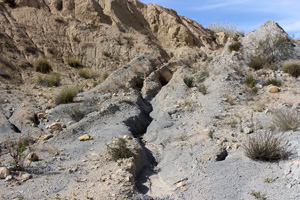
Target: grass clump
{"type": "Point", "coordinates": [189, 81]}
{"type": "Point", "coordinates": [250, 80]}
{"type": "Point", "coordinates": [292, 68]}
{"type": "Point", "coordinates": [274, 82]}
{"type": "Point", "coordinates": [266, 147]}
{"type": "Point", "coordinates": [43, 66]}
{"type": "Point", "coordinates": [119, 150]}
{"type": "Point", "coordinates": [286, 119]}
{"type": "Point", "coordinates": [257, 62]}
{"type": "Point", "coordinates": [234, 46]}
{"type": "Point", "coordinates": [84, 73]}
{"type": "Point", "coordinates": [66, 95]}
{"type": "Point", "coordinates": [53, 79]}
{"type": "Point", "coordinates": [76, 63]}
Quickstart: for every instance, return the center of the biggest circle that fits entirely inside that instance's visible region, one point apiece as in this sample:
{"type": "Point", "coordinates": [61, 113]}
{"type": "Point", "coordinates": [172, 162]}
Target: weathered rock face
{"type": "Point", "coordinates": [101, 33]}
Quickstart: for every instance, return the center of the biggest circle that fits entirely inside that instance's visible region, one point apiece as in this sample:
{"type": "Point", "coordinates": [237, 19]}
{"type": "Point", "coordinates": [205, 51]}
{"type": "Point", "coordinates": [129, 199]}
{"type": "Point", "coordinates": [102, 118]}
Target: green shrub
{"type": "Point", "coordinates": [67, 95]}
{"type": "Point", "coordinates": [266, 147]}
{"type": "Point", "coordinates": [76, 63]}
{"type": "Point", "coordinates": [286, 119]}
{"type": "Point", "coordinates": [234, 46]}
{"type": "Point", "coordinates": [292, 68]}
{"type": "Point", "coordinates": [53, 79]}
{"type": "Point", "coordinates": [273, 81]}
{"type": "Point", "coordinates": [189, 81]}
{"type": "Point", "coordinates": [17, 148]}
{"type": "Point", "coordinates": [250, 80]}
{"type": "Point", "coordinates": [42, 66]}
{"type": "Point", "coordinates": [258, 195]}
{"type": "Point", "coordinates": [119, 150]}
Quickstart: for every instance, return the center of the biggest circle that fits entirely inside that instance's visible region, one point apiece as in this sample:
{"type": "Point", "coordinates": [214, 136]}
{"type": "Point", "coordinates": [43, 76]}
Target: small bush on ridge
{"type": "Point", "coordinates": [119, 150]}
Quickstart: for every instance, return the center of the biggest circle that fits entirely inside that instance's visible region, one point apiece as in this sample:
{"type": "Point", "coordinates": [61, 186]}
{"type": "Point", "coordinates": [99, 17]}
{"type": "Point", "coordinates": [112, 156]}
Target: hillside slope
{"type": "Point", "coordinates": [164, 111]}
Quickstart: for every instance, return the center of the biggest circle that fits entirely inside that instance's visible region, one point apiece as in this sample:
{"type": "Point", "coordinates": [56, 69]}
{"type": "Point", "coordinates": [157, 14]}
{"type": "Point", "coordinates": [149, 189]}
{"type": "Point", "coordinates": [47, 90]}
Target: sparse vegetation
{"type": "Point", "coordinates": [53, 79]}
{"type": "Point", "coordinates": [250, 80]}
{"type": "Point", "coordinates": [267, 146]}
{"type": "Point", "coordinates": [42, 65]}
{"type": "Point", "coordinates": [85, 73]}
{"type": "Point", "coordinates": [203, 76]}
{"type": "Point", "coordinates": [292, 68]}
{"type": "Point", "coordinates": [202, 88]}
{"type": "Point", "coordinates": [269, 180]}
{"type": "Point", "coordinates": [234, 46]}
{"type": "Point", "coordinates": [106, 54]}
{"type": "Point", "coordinates": [76, 63]}
{"type": "Point", "coordinates": [257, 62]}
{"type": "Point", "coordinates": [229, 29]}
{"type": "Point", "coordinates": [258, 195]}
{"type": "Point", "coordinates": [145, 31]}
{"type": "Point", "coordinates": [274, 48]}
{"type": "Point", "coordinates": [119, 150]}
{"type": "Point", "coordinates": [67, 95]}
{"type": "Point", "coordinates": [189, 81]}
{"type": "Point", "coordinates": [17, 148]}
{"type": "Point", "coordinates": [273, 81]}
{"type": "Point", "coordinates": [286, 119]}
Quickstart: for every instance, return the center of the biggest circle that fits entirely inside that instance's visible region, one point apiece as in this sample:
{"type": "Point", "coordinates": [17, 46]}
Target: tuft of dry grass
{"type": "Point", "coordinates": [76, 63]}
{"type": "Point", "coordinates": [66, 95]}
{"type": "Point", "coordinates": [229, 29]}
{"type": "Point", "coordinates": [250, 80]}
{"type": "Point", "coordinates": [292, 67]}
{"type": "Point", "coordinates": [267, 147]}
{"type": "Point", "coordinates": [43, 66]}
{"type": "Point", "coordinates": [53, 79]}
{"type": "Point", "coordinates": [286, 119]}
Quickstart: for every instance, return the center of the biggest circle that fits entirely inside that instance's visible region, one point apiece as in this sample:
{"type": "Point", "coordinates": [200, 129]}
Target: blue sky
{"type": "Point", "coordinates": [247, 15]}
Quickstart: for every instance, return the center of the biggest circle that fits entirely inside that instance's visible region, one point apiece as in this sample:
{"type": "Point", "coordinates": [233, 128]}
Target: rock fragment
{"type": "Point", "coordinates": [4, 172]}
{"type": "Point", "coordinates": [85, 137]}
